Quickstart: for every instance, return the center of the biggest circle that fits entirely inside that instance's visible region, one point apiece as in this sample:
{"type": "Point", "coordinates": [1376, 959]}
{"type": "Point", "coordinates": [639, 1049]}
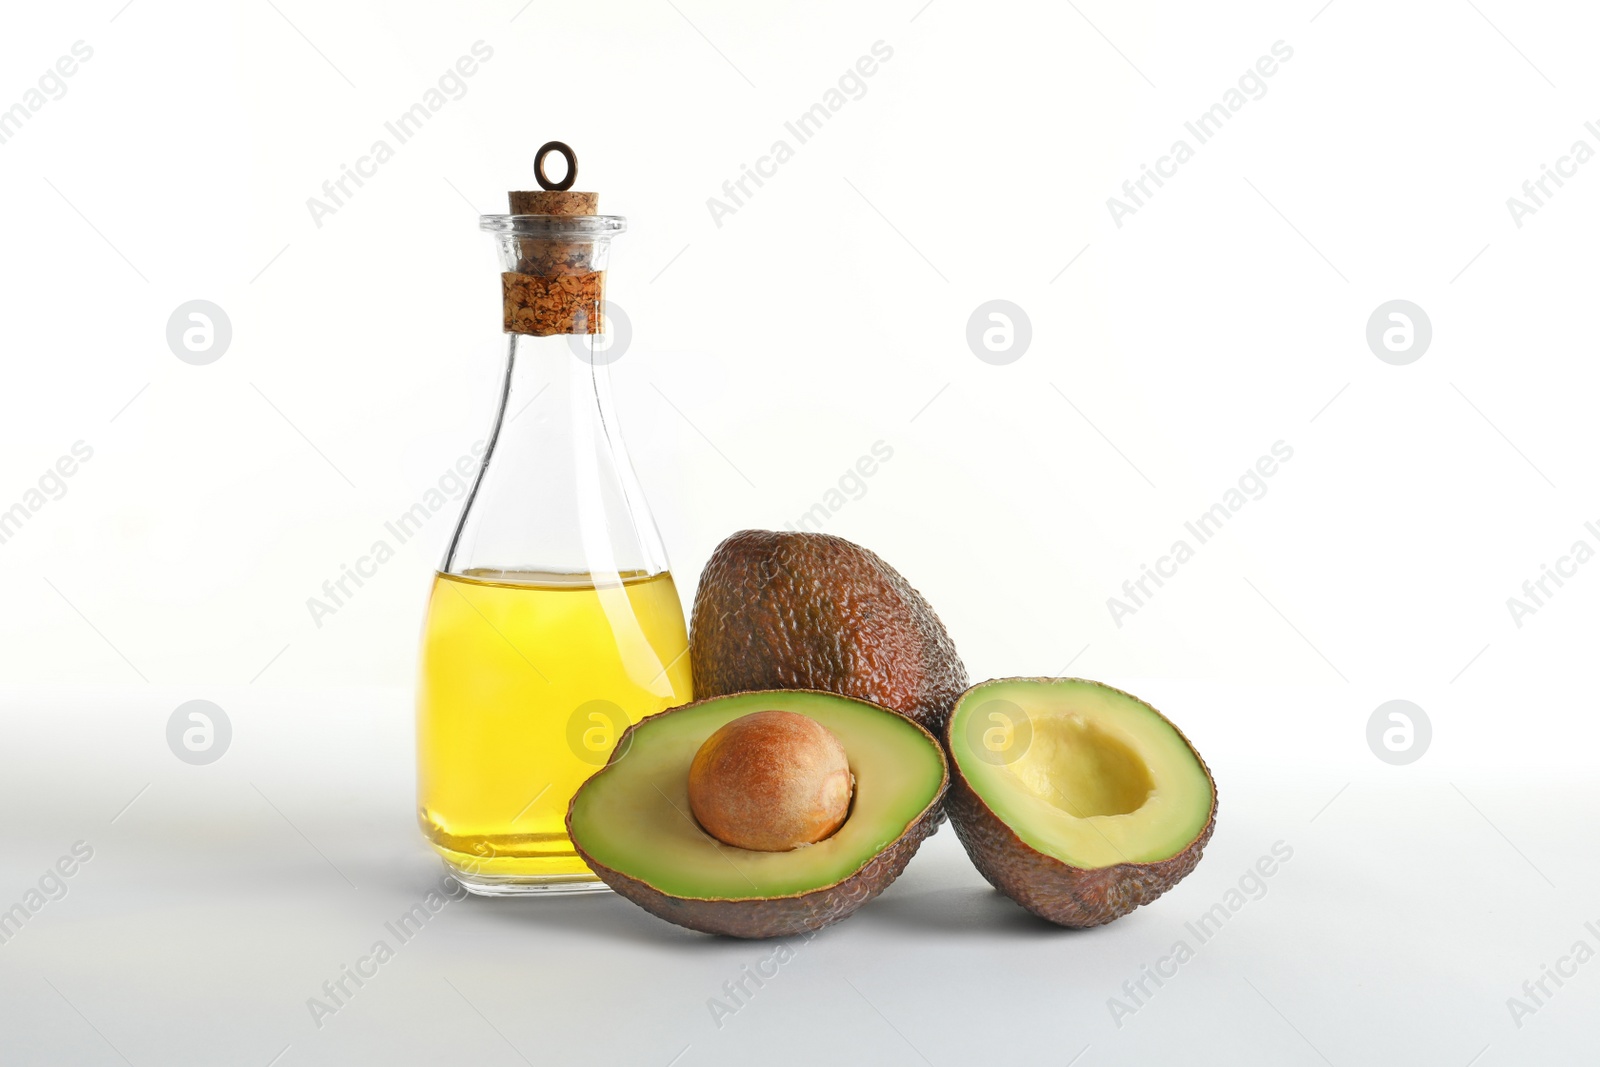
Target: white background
{"type": "Point", "coordinates": [828, 313]}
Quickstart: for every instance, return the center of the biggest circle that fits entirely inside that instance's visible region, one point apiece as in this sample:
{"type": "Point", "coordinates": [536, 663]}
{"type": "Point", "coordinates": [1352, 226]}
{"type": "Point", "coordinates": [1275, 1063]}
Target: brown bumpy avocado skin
{"type": "Point", "coordinates": [781, 610]}
{"type": "Point", "coordinates": [1057, 891]}
{"type": "Point", "coordinates": [764, 917]}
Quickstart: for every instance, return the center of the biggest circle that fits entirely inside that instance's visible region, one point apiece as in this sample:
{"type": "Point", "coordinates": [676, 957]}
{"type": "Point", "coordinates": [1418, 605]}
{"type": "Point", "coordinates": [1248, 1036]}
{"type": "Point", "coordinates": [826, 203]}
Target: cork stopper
{"type": "Point", "coordinates": [557, 291]}
{"type": "Point", "coordinates": [553, 202]}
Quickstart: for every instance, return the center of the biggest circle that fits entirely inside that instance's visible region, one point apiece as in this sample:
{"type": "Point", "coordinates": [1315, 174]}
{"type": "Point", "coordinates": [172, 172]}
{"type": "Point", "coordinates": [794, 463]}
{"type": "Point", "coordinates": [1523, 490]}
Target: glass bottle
{"type": "Point", "coordinates": [554, 622]}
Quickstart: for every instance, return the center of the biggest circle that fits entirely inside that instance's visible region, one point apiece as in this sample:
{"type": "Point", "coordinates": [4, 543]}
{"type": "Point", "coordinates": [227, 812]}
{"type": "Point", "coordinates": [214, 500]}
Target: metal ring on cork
{"type": "Point", "coordinates": [567, 154]}
{"type": "Point", "coordinates": [554, 198]}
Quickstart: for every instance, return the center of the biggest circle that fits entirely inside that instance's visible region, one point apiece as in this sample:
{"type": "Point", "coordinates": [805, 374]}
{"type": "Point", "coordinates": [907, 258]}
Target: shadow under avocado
{"type": "Point", "coordinates": [959, 911]}
{"type": "Point", "coordinates": [591, 914]}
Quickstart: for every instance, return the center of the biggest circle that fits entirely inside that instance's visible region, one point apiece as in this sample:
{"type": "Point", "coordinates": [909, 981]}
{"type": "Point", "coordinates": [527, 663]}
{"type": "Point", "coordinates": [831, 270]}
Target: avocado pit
{"type": "Point", "coordinates": [771, 781]}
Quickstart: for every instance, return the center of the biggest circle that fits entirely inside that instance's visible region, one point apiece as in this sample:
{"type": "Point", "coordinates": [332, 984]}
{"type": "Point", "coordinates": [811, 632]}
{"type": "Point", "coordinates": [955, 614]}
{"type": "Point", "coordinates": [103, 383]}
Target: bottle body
{"type": "Point", "coordinates": [553, 622]}
{"type": "Point", "coordinates": [527, 681]}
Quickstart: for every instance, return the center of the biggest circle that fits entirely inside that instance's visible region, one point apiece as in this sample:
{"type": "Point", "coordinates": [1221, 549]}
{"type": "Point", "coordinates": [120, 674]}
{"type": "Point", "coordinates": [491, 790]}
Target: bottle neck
{"type": "Point", "coordinates": [556, 494]}
{"type": "Point", "coordinates": [552, 368]}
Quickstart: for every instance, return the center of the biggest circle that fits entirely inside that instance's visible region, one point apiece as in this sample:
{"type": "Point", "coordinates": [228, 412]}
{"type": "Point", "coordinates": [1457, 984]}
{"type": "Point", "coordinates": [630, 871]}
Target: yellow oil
{"type": "Point", "coordinates": [527, 680]}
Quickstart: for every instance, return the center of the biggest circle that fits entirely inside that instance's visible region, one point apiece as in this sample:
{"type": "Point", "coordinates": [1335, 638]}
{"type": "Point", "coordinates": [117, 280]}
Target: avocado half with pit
{"type": "Point", "coordinates": [1077, 800]}
{"type": "Point", "coordinates": [634, 825]}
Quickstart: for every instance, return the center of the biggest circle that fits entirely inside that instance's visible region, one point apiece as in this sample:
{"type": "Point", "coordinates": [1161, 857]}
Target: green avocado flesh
{"type": "Point", "coordinates": [634, 817]}
{"type": "Point", "coordinates": [1080, 772]}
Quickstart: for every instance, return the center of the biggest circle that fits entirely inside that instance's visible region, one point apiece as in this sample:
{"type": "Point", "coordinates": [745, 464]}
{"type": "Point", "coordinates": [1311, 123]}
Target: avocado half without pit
{"type": "Point", "coordinates": [760, 814]}
{"type": "Point", "coordinates": [1077, 800]}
